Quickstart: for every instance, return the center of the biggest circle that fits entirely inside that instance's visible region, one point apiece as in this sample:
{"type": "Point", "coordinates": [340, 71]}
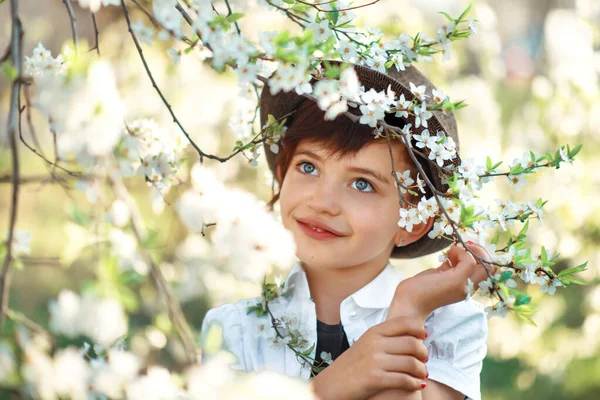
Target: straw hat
{"type": "Point", "coordinates": [283, 103]}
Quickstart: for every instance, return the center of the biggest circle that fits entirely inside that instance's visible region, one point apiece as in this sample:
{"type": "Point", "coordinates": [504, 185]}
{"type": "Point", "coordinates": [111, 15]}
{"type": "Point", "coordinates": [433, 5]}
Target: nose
{"type": "Point", "coordinates": [324, 198]}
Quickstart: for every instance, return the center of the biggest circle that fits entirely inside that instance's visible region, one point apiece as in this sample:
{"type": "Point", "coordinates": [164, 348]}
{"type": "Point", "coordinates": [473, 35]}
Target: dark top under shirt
{"type": "Point", "coordinates": [332, 339]}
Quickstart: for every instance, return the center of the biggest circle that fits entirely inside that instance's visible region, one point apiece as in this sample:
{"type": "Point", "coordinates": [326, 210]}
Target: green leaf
{"type": "Point", "coordinates": [308, 351]}
{"type": "Point", "coordinates": [517, 169]}
{"type": "Point", "coordinates": [506, 275]}
{"type": "Point", "coordinates": [10, 71]}
{"type": "Point", "coordinates": [522, 299]}
{"type": "Point", "coordinates": [523, 230]}
{"type": "Point", "coordinates": [568, 280]}
{"type": "Point", "coordinates": [488, 163]}
{"type": "Point", "coordinates": [574, 270]}
{"type": "Point", "coordinates": [497, 164]}
{"type": "Point", "coordinates": [465, 13]}
{"type": "Point", "coordinates": [544, 255]}
{"type": "Point", "coordinates": [496, 238]}
{"type": "Point", "coordinates": [573, 152]}
{"type": "Point", "coordinates": [234, 17]}
{"type": "Point", "coordinates": [449, 18]}
{"type": "Point", "coordinates": [527, 319]}
{"type": "Point", "coordinates": [299, 7]}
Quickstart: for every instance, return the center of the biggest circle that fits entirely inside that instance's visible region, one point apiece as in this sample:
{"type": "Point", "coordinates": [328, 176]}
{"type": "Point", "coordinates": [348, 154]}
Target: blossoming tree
{"type": "Point", "coordinates": [102, 150]}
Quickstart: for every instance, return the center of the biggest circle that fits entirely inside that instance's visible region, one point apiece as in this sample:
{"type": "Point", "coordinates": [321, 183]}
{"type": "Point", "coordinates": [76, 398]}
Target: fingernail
{"type": "Point", "coordinates": [426, 335]}
{"type": "Point", "coordinates": [470, 243]}
{"type": "Point", "coordinates": [423, 384]}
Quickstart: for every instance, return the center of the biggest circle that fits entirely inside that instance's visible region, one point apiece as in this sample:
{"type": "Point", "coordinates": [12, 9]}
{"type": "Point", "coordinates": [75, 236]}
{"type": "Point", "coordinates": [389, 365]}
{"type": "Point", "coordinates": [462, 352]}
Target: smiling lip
{"type": "Point", "coordinates": [308, 224]}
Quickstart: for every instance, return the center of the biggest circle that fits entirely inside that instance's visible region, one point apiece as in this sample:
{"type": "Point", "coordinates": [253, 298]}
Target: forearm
{"type": "Point", "coordinates": [327, 387]}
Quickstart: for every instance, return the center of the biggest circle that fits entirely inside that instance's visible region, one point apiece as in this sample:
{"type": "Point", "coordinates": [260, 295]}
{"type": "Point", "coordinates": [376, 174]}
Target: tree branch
{"type": "Point", "coordinates": [13, 115]}
{"type": "Point", "coordinates": [73, 23]}
{"type": "Point", "coordinates": [162, 286]}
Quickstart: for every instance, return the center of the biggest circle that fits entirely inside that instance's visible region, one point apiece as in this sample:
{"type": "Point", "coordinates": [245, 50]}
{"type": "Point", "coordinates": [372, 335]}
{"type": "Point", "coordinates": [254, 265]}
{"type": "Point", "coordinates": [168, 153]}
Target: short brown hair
{"type": "Point", "coordinates": [340, 137]}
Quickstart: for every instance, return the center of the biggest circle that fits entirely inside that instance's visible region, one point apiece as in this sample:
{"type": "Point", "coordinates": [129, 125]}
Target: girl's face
{"type": "Point", "coordinates": [355, 197]}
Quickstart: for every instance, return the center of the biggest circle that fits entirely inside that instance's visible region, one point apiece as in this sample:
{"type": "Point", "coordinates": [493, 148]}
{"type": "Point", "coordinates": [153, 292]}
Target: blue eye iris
{"type": "Point", "coordinates": [307, 167]}
{"type": "Point", "coordinates": [362, 184]}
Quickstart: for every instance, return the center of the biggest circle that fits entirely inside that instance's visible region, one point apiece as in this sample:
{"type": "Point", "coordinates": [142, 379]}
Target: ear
{"type": "Point", "coordinates": [404, 238]}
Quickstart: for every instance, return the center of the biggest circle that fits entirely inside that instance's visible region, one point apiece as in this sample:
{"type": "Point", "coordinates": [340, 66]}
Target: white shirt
{"type": "Point", "coordinates": [456, 333]}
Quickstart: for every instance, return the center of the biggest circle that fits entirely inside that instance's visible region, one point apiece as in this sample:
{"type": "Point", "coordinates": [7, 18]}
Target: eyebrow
{"type": "Point", "coordinates": [361, 170]}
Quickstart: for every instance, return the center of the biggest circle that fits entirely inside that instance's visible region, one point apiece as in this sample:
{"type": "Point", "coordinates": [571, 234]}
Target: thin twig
{"type": "Point", "coordinates": [175, 312]}
{"type": "Point", "coordinates": [45, 179]}
{"type": "Point", "coordinates": [21, 318]}
{"type": "Point", "coordinates": [316, 6]}
{"type": "Point", "coordinates": [54, 165]}
{"type": "Point", "coordinates": [73, 23]}
{"type": "Point", "coordinates": [229, 12]}
{"type": "Point", "coordinates": [29, 119]}
{"type": "Point", "coordinates": [13, 115]}
{"type": "Point", "coordinates": [96, 35]}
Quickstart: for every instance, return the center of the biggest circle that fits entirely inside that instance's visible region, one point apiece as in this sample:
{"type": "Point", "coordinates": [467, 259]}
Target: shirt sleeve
{"type": "Point", "coordinates": [230, 318]}
{"type": "Point", "coordinates": [456, 340]}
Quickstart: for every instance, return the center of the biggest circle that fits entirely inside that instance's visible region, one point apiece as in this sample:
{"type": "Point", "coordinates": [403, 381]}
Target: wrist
{"type": "Point", "coordinates": [325, 387]}
{"type": "Point", "coordinates": [406, 305]}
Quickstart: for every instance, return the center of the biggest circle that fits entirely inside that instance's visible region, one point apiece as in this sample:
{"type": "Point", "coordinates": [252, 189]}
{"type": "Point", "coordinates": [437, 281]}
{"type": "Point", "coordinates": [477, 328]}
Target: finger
{"type": "Point", "coordinates": [403, 363]}
{"type": "Point", "coordinates": [482, 252]}
{"type": "Point", "coordinates": [398, 326]}
{"type": "Point", "coordinates": [399, 380]}
{"type": "Point", "coordinates": [464, 263]}
{"type": "Point", "coordinates": [406, 345]}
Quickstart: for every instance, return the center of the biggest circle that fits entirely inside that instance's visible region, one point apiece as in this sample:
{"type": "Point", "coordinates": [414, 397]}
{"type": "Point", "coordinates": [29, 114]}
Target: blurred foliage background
{"type": "Point", "coordinates": [531, 80]}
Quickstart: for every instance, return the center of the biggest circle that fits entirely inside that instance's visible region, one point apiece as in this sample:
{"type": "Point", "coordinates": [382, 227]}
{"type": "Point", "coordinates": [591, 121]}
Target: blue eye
{"type": "Point", "coordinates": [363, 184]}
{"type": "Point", "coordinates": [307, 167]}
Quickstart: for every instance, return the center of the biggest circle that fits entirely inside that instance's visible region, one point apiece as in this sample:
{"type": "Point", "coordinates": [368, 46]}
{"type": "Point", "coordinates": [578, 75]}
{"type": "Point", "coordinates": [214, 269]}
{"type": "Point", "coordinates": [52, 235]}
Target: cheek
{"type": "Point", "coordinates": [377, 220]}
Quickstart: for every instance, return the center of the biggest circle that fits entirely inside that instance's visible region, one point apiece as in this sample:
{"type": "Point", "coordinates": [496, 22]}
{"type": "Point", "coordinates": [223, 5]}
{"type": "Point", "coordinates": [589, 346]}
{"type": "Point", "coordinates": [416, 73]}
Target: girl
{"type": "Point", "coordinates": [343, 304]}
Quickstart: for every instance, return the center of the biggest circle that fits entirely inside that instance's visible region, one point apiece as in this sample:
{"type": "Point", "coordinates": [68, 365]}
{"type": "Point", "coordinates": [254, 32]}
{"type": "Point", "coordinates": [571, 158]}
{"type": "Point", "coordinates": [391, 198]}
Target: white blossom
{"type": "Point", "coordinates": [422, 114]}
{"type": "Point", "coordinates": [439, 154]}
{"type": "Point", "coordinates": [325, 356]}
{"type": "Point", "coordinates": [424, 139]}
{"type": "Point", "coordinates": [41, 62]}
{"type": "Point", "coordinates": [167, 15]}
{"type": "Point", "coordinates": [418, 91]}
{"type": "Point", "coordinates": [321, 30]}
{"type": "Point", "coordinates": [518, 181]}
{"type": "Point", "coordinates": [347, 50]}
{"type": "Point", "coordinates": [499, 309]}
{"type": "Point", "coordinates": [158, 384]}
{"type": "Point", "coordinates": [408, 218]}
{"type": "Point", "coordinates": [404, 179]}
{"type": "Point", "coordinates": [144, 33]}
{"type": "Point", "coordinates": [402, 107]}
{"type": "Point", "coordinates": [86, 110]}
{"type": "Point", "coordinates": [111, 376]}
{"type": "Point", "coordinates": [438, 95]}
{"type": "Point", "coordinates": [549, 285]}
{"type": "Point", "coordinates": [327, 92]}
{"type": "Point", "coordinates": [102, 320]}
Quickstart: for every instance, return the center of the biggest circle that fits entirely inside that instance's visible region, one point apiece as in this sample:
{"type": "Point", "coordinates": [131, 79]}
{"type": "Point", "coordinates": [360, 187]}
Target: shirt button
{"type": "Point", "coordinates": [352, 315]}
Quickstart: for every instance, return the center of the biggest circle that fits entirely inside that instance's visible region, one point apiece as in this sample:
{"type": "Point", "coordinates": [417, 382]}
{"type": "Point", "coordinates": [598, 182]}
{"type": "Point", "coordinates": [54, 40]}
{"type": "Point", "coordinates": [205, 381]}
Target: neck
{"type": "Point", "coordinates": [330, 286]}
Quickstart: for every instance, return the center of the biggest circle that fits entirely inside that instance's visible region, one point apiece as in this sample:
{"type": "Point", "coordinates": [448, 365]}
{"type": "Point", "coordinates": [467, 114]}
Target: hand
{"type": "Point", "coordinates": [421, 294]}
{"type": "Point", "coordinates": [390, 355]}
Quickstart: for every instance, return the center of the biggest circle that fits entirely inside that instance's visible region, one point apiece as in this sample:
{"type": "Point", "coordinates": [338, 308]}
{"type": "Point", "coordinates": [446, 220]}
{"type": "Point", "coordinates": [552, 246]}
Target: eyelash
{"type": "Point", "coordinates": [299, 167]}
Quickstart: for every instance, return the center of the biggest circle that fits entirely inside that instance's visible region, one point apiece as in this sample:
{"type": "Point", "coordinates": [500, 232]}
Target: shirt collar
{"type": "Point", "coordinates": [378, 293]}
